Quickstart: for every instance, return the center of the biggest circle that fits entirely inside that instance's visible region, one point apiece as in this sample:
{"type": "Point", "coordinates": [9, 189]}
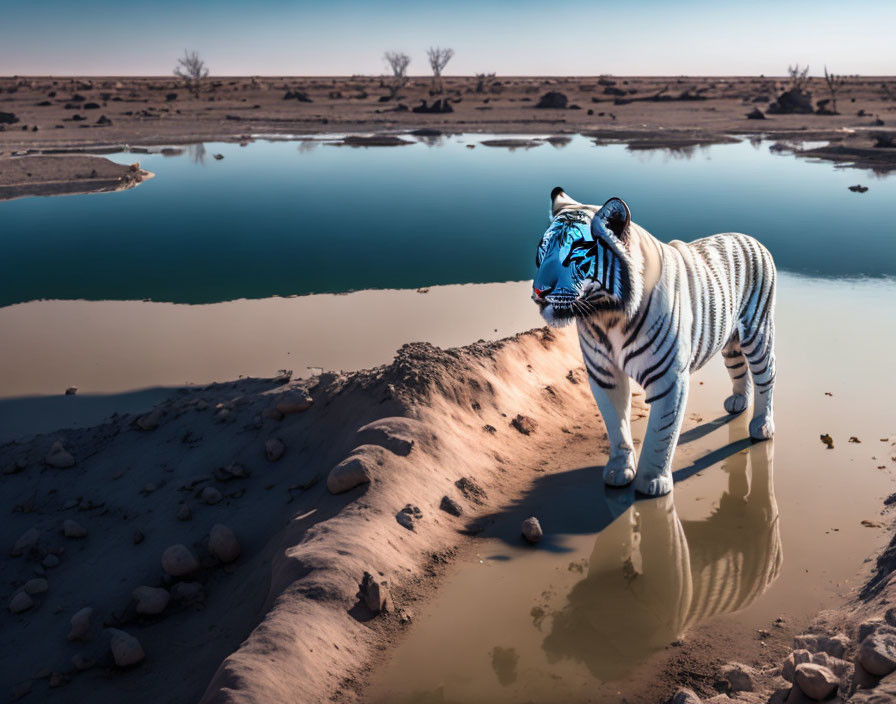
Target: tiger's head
{"type": "Point", "coordinates": [585, 261]}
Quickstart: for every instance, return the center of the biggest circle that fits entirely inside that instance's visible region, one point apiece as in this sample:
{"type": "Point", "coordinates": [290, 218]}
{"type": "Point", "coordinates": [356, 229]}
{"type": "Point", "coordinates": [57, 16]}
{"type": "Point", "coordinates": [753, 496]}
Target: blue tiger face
{"type": "Point", "coordinates": [578, 271]}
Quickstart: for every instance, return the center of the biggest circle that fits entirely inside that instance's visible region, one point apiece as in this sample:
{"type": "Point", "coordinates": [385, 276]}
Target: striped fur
{"type": "Point", "coordinates": [656, 312]}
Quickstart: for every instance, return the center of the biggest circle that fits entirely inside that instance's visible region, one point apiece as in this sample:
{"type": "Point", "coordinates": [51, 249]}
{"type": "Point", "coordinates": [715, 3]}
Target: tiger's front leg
{"type": "Point", "coordinates": [614, 399]}
{"type": "Point", "coordinates": [667, 398]}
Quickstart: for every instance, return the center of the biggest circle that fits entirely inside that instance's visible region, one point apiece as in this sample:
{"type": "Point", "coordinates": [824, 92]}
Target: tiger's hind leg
{"type": "Point", "coordinates": [742, 384]}
{"type": "Point", "coordinates": [759, 349]}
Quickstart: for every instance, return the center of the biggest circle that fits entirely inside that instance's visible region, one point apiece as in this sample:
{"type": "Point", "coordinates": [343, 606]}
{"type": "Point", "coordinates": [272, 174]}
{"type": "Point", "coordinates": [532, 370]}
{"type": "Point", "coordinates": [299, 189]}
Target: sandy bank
{"type": "Point", "coordinates": [65, 175]}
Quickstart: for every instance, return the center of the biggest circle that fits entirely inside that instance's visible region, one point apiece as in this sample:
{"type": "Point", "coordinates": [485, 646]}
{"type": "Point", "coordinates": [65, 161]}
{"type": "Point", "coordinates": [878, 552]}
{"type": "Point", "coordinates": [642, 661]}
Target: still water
{"type": "Point", "coordinates": [283, 218]}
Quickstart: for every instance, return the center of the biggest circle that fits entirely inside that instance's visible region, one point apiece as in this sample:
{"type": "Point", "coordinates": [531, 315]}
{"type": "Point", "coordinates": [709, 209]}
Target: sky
{"type": "Point", "coordinates": [520, 37]}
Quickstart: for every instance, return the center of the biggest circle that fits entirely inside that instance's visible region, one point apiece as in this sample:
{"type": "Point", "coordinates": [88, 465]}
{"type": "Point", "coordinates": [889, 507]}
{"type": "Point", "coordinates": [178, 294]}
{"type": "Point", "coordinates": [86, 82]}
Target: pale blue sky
{"type": "Point", "coordinates": [552, 37]}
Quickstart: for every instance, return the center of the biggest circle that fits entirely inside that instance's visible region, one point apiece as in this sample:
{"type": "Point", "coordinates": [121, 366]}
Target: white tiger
{"type": "Point", "coordinates": [656, 312]}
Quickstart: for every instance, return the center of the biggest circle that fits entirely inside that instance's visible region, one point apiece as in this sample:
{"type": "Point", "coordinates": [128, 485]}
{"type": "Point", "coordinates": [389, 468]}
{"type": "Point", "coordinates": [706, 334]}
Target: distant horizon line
{"type": "Point", "coordinates": [429, 76]}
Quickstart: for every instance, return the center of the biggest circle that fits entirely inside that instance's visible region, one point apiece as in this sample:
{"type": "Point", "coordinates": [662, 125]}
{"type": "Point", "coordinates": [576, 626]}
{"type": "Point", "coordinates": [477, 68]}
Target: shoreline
{"type": "Point", "coordinates": [27, 176]}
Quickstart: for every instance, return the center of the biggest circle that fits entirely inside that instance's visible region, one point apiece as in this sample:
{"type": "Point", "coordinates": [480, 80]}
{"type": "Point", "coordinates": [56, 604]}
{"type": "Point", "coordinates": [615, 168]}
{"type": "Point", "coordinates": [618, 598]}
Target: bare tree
{"type": "Point", "coordinates": [192, 70]}
{"type": "Point", "coordinates": [438, 59]}
{"type": "Point", "coordinates": [798, 76]}
{"type": "Point", "coordinates": [835, 83]}
{"type": "Point", "coordinates": [483, 81]}
{"type": "Point", "coordinates": [398, 63]}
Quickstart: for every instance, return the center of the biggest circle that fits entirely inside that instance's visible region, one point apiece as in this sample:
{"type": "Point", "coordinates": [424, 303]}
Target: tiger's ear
{"type": "Point", "coordinates": [614, 217]}
{"type": "Point", "coordinates": [560, 200]}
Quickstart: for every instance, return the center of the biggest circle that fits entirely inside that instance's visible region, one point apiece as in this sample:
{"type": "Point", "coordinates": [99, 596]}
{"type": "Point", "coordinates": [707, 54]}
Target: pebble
{"type": "Point", "coordinates": [211, 496]}
{"type": "Point", "coordinates": [178, 561]}
{"type": "Point", "coordinates": [26, 541]}
{"type": "Point", "coordinates": [222, 543]}
{"type": "Point", "coordinates": [877, 653]}
{"type": "Point", "coordinates": [531, 530]}
{"type": "Point", "coordinates": [408, 515]}
{"type": "Point", "coordinates": [50, 561]}
{"type": "Point", "coordinates": [151, 600]}
{"type": "Point", "coordinates": [36, 586]}
{"type": "Point", "coordinates": [375, 592]}
{"type": "Point", "coordinates": [81, 624]}
{"type": "Point", "coordinates": [351, 472]}
{"type": "Point", "coordinates": [274, 449]}
{"type": "Point", "coordinates": [72, 529]}
{"type": "Point", "coordinates": [815, 681]}
{"type": "Point", "coordinates": [739, 676]}
{"type": "Point", "coordinates": [138, 537]}
{"type": "Point", "coordinates": [184, 513]}
{"type": "Point", "coordinates": [126, 649]}
{"type": "Point", "coordinates": [524, 424]}
{"type": "Point", "coordinates": [151, 420]}
{"type": "Point", "coordinates": [59, 457]}
{"type": "Point", "coordinates": [449, 505]}
{"type": "Point", "coordinates": [20, 602]}
{"type": "Point", "coordinates": [71, 391]}
{"type": "Point", "coordinates": [81, 662]}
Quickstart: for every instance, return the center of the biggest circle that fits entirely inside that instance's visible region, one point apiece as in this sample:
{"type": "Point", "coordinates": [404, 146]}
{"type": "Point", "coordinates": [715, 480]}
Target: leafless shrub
{"type": "Point", "coordinates": [398, 63]}
{"type": "Point", "coordinates": [799, 77]}
{"type": "Point", "coordinates": [483, 81]}
{"type": "Point", "coordinates": [834, 83]}
{"type": "Point", "coordinates": [191, 69]}
{"type": "Point", "coordinates": [438, 59]}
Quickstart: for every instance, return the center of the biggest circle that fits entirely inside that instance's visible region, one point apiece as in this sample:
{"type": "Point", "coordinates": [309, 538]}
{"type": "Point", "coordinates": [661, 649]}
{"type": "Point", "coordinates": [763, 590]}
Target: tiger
{"type": "Point", "coordinates": [655, 313]}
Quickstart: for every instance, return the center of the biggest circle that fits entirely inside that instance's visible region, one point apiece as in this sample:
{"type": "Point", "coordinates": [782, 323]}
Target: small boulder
{"type": "Point", "coordinates": [184, 513]}
{"type": "Point", "coordinates": [815, 681]}
{"type": "Point", "coordinates": [552, 100]}
{"type": "Point", "coordinates": [524, 424]}
{"type": "Point", "coordinates": [408, 515]}
{"type": "Point", "coordinates": [81, 624]}
{"type": "Point", "coordinates": [531, 530]}
{"type": "Point", "coordinates": [353, 471]}
{"type": "Point", "coordinates": [82, 662]}
{"type": "Point", "coordinates": [274, 449]}
{"type": "Point", "coordinates": [151, 600]}
{"type": "Point", "coordinates": [877, 653]}
{"type": "Point", "coordinates": [71, 391]}
{"type": "Point", "coordinates": [178, 561]}
{"type": "Point", "coordinates": [211, 496]}
{"type": "Point", "coordinates": [35, 586]}
{"type": "Point", "coordinates": [26, 541]}
{"type": "Point", "coordinates": [291, 403]}
{"type": "Point", "coordinates": [20, 602]}
{"type": "Point", "coordinates": [151, 420]}
{"type": "Point", "coordinates": [866, 628]}
{"type": "Point", "coordinates": [126, 650]}
{"type": "Point", "coordinates": [73, 529]}
{"type": "Point", "coordinates": [374, 592]}
{"type": "Point", "coordinates": [222, 543]}
{"type": "Point", "coordinates": [187, 592]}
{"type": "Point", "coordinates": [396, 434]}
{"type": "Point", "coordinates": [739, 676]}
{"type": "Point", "coordinates": [686, 696]}
{"type": "Point", "coordinates": [50, 561]}
{"type": "Point", "coordinates": [59, 457]}
{"type": "Point", "coordinates": [449, 505]}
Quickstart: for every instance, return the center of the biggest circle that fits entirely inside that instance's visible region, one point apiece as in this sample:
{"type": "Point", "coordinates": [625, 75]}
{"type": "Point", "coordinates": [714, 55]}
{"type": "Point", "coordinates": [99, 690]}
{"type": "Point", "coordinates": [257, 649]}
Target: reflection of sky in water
{"type": "Point", "coordinates": [274, 218]}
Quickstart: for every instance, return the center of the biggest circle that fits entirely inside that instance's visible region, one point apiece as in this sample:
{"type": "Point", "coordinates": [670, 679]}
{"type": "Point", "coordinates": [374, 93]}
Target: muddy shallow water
{"type": "Point", "coordinates": [755, 532]}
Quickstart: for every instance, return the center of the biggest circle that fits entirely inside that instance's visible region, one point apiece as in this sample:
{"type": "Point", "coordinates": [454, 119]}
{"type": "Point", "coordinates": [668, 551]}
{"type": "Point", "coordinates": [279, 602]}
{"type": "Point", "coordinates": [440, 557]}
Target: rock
{"type": "Point", "coordinates": [187, 592]}
{"type": "Point", "coordinates": [883, 692]}
{"type": "Point", "coordinates": [59, 457]}
{"type": "Point", "coordinates": [20, 602]}
{"type": "Point", "coordinates": [71, 391]}
{"type": "Point", "coordinates": [178, 561]}
{"type": "Point", "coordinates": [184, 513]}
{"type": "Point", "coordinates": [291, 403]}
{"type": "Point", "coordinates": [151, 420]}
{"type": "Point", "coordinates": [272, 414]}
{"type": "Point", "coordinates": [26, 541]}
{"type": "Point", "coordinates": [81, 624]}
{"type": "Point", "coordinates": [222, 543]}
{"type": "Point", "coordinates": [211, 496]}
{"type": "Point", "coordinates": [470, 489]}
{"type": "Point", "coordinates": [835, 645]}
{"type": "Point", "coordinates": [792, 101]}
{"type": "Point", "coordinates": [57, 679]}
{"type": "Point", "coordinates": [356, 469]}
{"type": "Point", "coordinates": [81, 662]}
{"type": "Point", "coordinates": [552, 100]}
{"type": "Point", "coordinates": [531, 530]}
{"type": "Point", "coordinates": [815, 681]}
{"type": "Point", "coordinates": [151, 600]}
{"type": "Point", "coordinates": [375, 594]}
{"type": "Point", "coordinates": [866, 628]}
{"type": "Point", "coordinates": [36, 586]}
{"type": "Point", "coordinates": [685, 696]}
{"type": "Point", "coordinates": [126, 650]}
{"type": "Point", "coordinates": [858, 188]}
{"type": "Point", "coordinates": [408, 515]}
{"type": "Point", "coordinates": [755, 114]}
{"type": "Point", "coordinates": [218, 157]}
{"type": "Point", "coordinates": [72, 529]}
{"type": "Point", "coordinates": [739, 676]}
{"type": "Point", "coordinates": [449, 505]}
{"type": "Point", "coordinates": [274, 449]}
{"type": "Point", "coordinates": [50, 561]}
{"type": "Point", "coordinates": [523, 424]}
{"type": "Point", "coordinates": [396, 434]}
{"type": "Point", "coordinates": [796, 657]}
{"type": "Point", "coordinates": [138, 536]}
{"type": "Point", "coordinates": [877, 653]}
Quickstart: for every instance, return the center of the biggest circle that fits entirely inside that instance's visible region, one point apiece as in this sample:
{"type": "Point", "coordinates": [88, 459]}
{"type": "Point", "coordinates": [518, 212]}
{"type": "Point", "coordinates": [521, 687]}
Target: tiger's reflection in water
{"type": "Point", "coordinates": [652, 576]}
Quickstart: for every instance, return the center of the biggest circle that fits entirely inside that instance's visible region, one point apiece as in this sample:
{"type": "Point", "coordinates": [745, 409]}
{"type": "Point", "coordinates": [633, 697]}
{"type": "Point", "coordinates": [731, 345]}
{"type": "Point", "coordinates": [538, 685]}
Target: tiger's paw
{"type": "Point", "coordinates": [762, 428]}
{"type": "Point", "coordinates": [620, 470]}
{"type": "Point", "coordinates": [737, 403]}
{"type": "Point", "coordinates": [653, 486]}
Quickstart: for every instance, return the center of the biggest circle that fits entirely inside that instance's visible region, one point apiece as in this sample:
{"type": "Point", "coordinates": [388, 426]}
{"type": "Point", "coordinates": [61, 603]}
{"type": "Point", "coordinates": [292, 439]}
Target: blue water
{"type": "Point", "coordinates": [286, 218]}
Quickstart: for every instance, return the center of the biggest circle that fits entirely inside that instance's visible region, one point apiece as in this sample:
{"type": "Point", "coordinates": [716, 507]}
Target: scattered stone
{"type": "Point", "coordinates": [523, 424]}
{"type": "Point", "coordinates": [552, 100]}
{"type": "Point", "coordinates": [178, 561]}
{"type": "Point", "coordinates": [211, 496]}
{"type": "Point", "coordinates": [71, 391]}
{"type": "Point", "coordinates": [36, 586]}
{"type": "Point", "coordinates": [490, 429]}
{"type": "Point", "coordinates": [184, 513]}
{"type": "Point", "coordinates": [739, 676]}
{"type": "Point", "coordinates": [375, 594]}
{"type": "Point", "coordinates": [686, 696]}
{"type": "Point", "coordinates": [222, 543]}
{"type": "Point", "coordinates": [815, 681]}
{"type": "Point", "coordinates": [72, 529]}
{"type": "Point", "coordinates": [232, 471]}
{"type": "Point", "coordinates": [151, 600]}
{"type": "Point", "coordinates": [126, 650]}
{"type": "Point", "coordinates": [531, 530]}
{"type": "Point", "coordinates": [358, 468]}
{"type": "Point", "coordinates": [405, 616]}
{"type": "Point", "coordinates": [293, 403]}
{"type": "Point", "coordinates": [835, 645]}
{"type": "Point", "coordinates": [81, 624]}
{"type": "Point", "coordinates": [218, 157]}
{"type": "Point", "coordinates": [50, 561]}
{"type": "Point", "coordinates": [151, 420]}
{"type": "Point", "coordinates": [20, 602]}
{"type": "Point", "coordinates": [408, 515]}
{"type": "Point", "coordinates": [870, 524]}
{"type": "Point", "coordinates": [187, 592]}
{"type": "Point", "coordinates": [877, 653]}
{"type": "Point", "coordinates": [858, 188]}
{"type": "Point", "coordinates": [451, 506]}
{"type": "Point", "coordinates": [396, 434]}
{"type": "Point", "coordinates": [470, 489]}
{"type": "Point", "coordinates": [756, 114]}
{"type": "Point", "coordinates": [827, 440]}
{"type": "Point", "coordinates": [866, 628]}
{"type": "Point", "coordinates": [138, 536]}
{"type": "Point", "coordinates": [26, 541]}
{"type": "Point", "coordinates": [59, 457]}
{"type": "Point", "coordinates": [854, 439]}
{"type": "Point", "coordinates": [274, 449]}
{"type": "Point", "coordinates": [81, 662]}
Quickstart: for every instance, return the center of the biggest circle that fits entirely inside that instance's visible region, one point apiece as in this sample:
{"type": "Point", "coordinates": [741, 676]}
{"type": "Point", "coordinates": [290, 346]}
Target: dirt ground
{"type": "Point", "coordinates": [41, 115]}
